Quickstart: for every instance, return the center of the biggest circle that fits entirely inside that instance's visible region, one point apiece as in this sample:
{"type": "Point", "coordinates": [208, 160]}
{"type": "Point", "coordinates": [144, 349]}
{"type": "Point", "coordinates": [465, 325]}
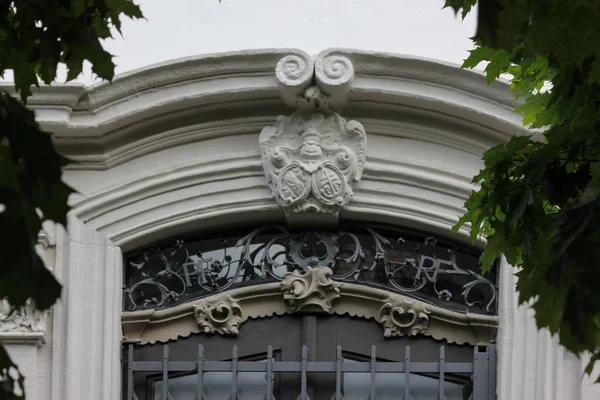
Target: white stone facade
{"type": "Point", "coordinates": [175, 148]}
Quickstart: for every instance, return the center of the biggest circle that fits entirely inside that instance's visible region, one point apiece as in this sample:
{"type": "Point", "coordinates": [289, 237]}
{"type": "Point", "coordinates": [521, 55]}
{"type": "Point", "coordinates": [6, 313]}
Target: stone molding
{"type": "Point", "coordinates": [398, 314]}
{"type": "Point", "coordinates": [90, 124]}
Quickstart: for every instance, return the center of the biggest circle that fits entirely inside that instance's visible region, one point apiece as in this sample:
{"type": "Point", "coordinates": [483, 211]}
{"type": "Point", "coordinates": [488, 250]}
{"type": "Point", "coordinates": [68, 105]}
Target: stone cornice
{"type": "Point", "coordinates": [98, 125]}
{"type": "Point", "coordinates": [312, 291]}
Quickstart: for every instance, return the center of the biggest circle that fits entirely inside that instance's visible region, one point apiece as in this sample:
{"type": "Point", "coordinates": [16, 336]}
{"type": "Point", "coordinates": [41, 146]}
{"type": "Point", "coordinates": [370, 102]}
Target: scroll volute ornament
{"type": "Point", "coordinates": [219, 314]}
{"type": "Point", "coordinates": [313, 158]}
{"type": "Point", "coordinates": [401, 316]}
{"type": "Point", "coordinates": [310, 290]}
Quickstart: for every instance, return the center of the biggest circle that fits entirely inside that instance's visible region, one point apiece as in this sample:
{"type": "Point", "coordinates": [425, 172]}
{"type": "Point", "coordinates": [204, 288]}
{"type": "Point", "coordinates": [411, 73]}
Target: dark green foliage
{"type": "Point", "coordinates": [539, 197]}
{"type": "Point", "coordinates": [35, 36]}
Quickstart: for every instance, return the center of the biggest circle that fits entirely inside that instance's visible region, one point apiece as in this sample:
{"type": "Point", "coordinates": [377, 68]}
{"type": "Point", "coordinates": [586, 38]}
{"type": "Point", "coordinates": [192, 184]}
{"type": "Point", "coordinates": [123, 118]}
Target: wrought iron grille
{"type": "Point", "coordinates": [402, 261]}
{"type": "Point", "coordinates": [481, 371]}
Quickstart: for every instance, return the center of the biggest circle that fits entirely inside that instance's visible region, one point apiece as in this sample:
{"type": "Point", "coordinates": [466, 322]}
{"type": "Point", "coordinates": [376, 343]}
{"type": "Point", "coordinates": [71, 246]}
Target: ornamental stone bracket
{"type": "Point", "coordinates": [402, 316]}
{"type": "Point", "coordinates": [313, 158]}
{"type": "Point", "coordinates": [219, 314]}
{"type": "Point", "coordinates": [311, 291]}
{"type": "Point", "coordinates": [24, 325]}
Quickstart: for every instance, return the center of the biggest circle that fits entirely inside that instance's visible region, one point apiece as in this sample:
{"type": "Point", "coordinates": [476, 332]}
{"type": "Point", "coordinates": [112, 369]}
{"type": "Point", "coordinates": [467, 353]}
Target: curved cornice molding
{"type": "Point", "coordinates": [311, 291]}
{"type": "Point", "coordinates": [174, 147]}
{"type": "Point", "coordinates": [104, 124]}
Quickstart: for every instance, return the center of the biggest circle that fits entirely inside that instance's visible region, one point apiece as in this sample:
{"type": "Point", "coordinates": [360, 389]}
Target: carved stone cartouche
{"type": "Point", "coordinates": [219, 314]}
{"type": "Point", "coordinates": [310, 290]}
{"type": "Point", "coordinates": [401, 316]}
{"type": "Point", "coordinates": [312, 161]}
{"type": "Point", "coordinates": [313, 158]}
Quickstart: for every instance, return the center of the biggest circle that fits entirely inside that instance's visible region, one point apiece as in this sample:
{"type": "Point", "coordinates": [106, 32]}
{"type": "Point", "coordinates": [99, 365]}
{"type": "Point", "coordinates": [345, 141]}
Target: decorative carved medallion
{"type": "Point", "coordinates": [219, 314]}
{"type": "Point", "coordinates": [402, 316]}
{"type": "Point", "coordinates": [313, 158]}
{"type": "Point", "coordinates": [310, 290]}
{"type": "Point", "coordinates": [311, 161]}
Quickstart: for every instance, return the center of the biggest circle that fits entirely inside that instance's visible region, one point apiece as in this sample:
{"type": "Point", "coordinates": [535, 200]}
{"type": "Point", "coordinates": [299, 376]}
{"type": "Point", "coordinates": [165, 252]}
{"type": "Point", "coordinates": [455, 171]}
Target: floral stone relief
{"type": "Point", "coordinates": [24, 319]}
{"type": "Point", "coordinates": [313, 158]}
{"type": "Point", "coordinates": [310, 290]}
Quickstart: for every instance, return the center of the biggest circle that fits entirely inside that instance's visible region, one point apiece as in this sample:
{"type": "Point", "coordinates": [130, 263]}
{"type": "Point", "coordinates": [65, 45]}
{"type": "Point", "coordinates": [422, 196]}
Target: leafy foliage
{"type": "Point", "coordinates": [35, 36]}
{"type": "Point", "coordinates": [539, 196]}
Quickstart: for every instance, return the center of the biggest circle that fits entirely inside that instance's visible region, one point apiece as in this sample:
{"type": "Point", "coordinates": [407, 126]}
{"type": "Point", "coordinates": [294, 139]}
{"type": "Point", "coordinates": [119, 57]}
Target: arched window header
{"type": "Point", "coordinates": [404, 279]}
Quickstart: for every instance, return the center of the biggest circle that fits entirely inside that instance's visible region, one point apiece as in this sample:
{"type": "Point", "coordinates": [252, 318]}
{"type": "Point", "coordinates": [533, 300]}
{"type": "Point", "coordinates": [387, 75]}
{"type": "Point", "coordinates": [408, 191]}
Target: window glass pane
{"type": "Point", "coordinates": [356, 386]}
{"type": "Point", "coordinates": [217, 386]}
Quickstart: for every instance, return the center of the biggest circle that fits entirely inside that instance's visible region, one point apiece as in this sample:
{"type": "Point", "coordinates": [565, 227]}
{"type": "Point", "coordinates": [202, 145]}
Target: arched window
{"type": "Point", "coordinates": [207, 313]}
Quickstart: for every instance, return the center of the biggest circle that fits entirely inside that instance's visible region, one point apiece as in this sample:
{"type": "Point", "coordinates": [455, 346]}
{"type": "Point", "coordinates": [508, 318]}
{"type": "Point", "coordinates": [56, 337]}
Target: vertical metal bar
{"type": "Point", "coordinates": [303, 376]}
{"type": "Point", "coordinates": [491, 349]}
{"type": "Point", "coordinates": [338, 374]}
{"type": "Point", "coordinates": [269, 372]}
{"type": "Point", "coordinates": [200, 388]}
{"type": "Point", "coordinates": [480, 374]}
{"type": "Point", "coordinates": [373, 361]}
{"type": "Point", "coordinates": [407, 374]}
{"type": "Point", "coordinates": [441, 395]}
{"type": "Point", "coordinates": [165, 377]}
{"type": "Point", "coordinates": [234, 366]}
{"type": "Point", "coordinates": [130, 373]}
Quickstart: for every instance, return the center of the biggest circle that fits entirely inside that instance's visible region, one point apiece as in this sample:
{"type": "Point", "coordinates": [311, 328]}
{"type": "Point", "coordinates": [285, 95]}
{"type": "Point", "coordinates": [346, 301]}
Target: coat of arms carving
{"type": "Point", "coordinates": [312, 160]}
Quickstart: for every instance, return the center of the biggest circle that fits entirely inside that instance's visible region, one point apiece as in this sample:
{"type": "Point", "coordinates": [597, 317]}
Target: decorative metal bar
{"type": "Point", "coordinates": [303, 393]}
{"type": "Point", "coordinates": [269, 376]}
{"type": "Point", "coordinates": [130, 394]}
{"type": "Point", "coordinates": [165, 371]}
{"type": "Point", "coordinates": [441, 395]}
{"type": "Point", "coordinates": [338, 374]}
{"type": "Point", "coordinates": [234, 372]}
{"type": "Point", "coordinates": [200, 388]}
{"type": "Point", "coordinates": [480, 374]}
{"type": "Point", "coordinates": [373, 395]}
{"type": "Point", "coordinates": [295, 366]}
{"type": "Point", "coordinates": [172, 274]}
{"type": "Point", "coordinates": [491, 350]}
{"type": "Point", "coordinates": [407, 374]}
{"type": "Point", "coordinates": [483, 370]}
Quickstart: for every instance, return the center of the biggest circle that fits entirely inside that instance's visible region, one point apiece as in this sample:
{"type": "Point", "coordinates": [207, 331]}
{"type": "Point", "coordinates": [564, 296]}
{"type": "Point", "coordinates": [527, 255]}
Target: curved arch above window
{"type": "Point", "coordinates": [408, 281]}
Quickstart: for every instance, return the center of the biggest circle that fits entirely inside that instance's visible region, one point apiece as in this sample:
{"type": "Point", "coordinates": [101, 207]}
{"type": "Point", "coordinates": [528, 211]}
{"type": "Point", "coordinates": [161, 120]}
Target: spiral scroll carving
{"type": "Point", "coordinates": [295, 71]}
{"type": "Point", "coordinates": [334, 71]}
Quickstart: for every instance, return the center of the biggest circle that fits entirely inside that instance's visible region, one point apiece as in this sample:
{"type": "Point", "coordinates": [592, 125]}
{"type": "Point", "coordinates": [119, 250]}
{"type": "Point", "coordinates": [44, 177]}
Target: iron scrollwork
{"type": "Point", "coordinates": [411, 264]}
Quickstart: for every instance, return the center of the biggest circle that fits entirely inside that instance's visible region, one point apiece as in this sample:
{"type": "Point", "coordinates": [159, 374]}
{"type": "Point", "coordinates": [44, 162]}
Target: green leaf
{"type": "Point", "coordinates": [533, 107]}
{"type": "Point", "coordinates": [77, 7]}
{"type": "Point", "coordinates": [458, 5]}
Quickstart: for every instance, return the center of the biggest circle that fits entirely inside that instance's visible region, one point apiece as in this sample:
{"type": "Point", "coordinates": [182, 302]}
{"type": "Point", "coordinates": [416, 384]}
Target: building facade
{"type": "Point", "coordinates": [289, 214]}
